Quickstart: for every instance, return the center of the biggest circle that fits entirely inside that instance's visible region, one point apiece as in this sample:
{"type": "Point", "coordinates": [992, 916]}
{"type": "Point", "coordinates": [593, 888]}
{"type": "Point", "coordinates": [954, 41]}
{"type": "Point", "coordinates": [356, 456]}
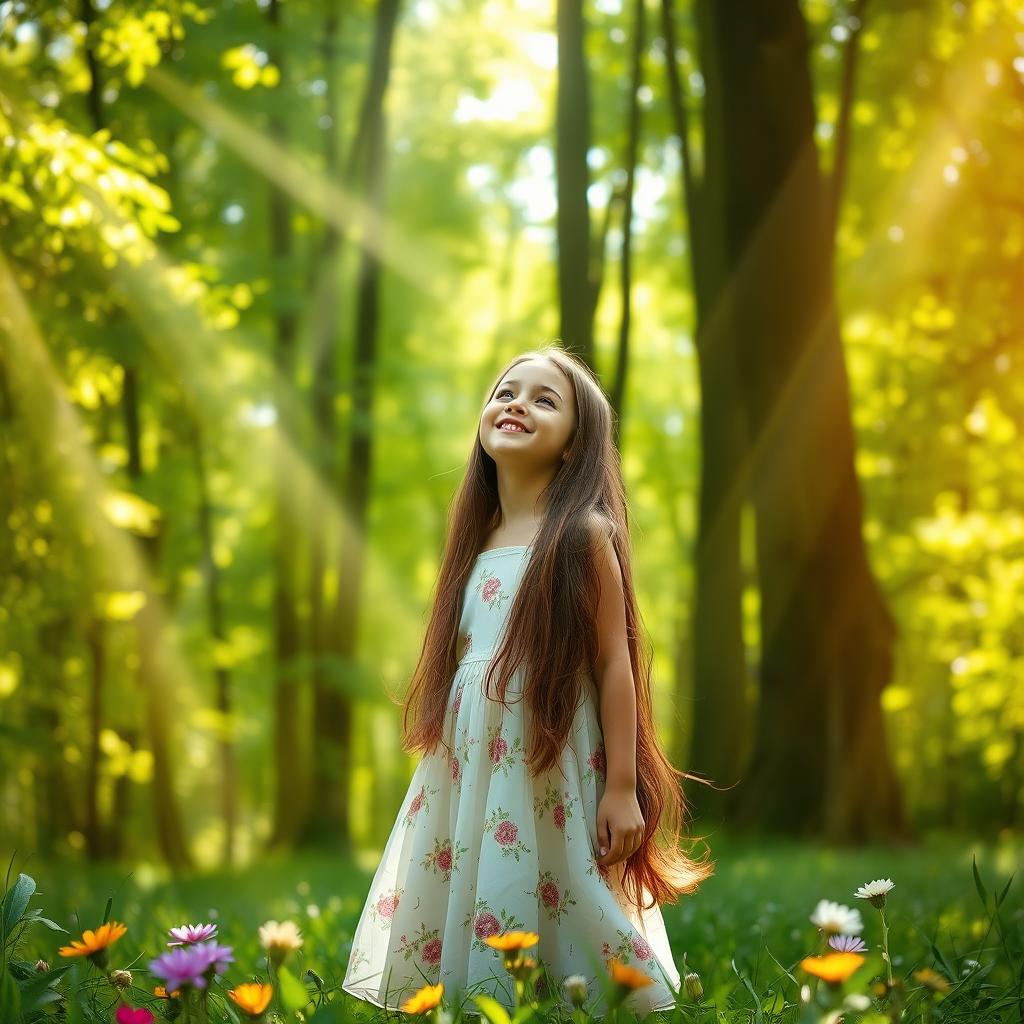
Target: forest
{"type": "Point", "coordinates": [260, 265]}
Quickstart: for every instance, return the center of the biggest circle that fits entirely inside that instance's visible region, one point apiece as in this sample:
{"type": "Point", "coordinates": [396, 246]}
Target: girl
{"type": "Point", "coordinates": [539, 811]}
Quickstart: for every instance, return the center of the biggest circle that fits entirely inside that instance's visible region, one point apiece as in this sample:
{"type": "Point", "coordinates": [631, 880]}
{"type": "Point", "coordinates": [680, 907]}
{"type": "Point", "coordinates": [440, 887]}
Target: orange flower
{"type": "Point", "coordinates": [626, 976]}
{"type": "Point", "coordinates": [512, 940]}
{"type": "Point", "coordinates": [252, 998]}
{"type": "Point", "coordinates": [161, 993]}
{"type": "Point", "coordinates": [833, 967]}
{"type": "Point", "coordinates": [94, 943]}
{"type": "Point", "coordinates": [425, 999]}
{"type": "Point", "coordinates": [931, 979]}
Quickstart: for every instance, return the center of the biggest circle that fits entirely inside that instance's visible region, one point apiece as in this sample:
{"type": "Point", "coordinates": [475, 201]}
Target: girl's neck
{"type": "Point", "coordinates": [521, 506]}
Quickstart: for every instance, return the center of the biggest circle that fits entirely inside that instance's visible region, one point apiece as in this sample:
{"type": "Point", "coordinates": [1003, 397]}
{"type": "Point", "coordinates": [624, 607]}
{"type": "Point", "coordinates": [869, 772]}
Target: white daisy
{"type": "Point", "coordinates": [834, 918]}
{"type": "Point", "coordinates": [875, 891]}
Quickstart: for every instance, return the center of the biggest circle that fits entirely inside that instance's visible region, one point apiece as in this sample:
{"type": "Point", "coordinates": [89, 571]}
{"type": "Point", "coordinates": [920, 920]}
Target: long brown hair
{"type": "Point", "coordinates": [551, 628]}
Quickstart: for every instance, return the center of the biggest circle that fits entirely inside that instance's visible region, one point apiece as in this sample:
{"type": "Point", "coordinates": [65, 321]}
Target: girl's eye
{"type": "Point", "coordinates": [506, 391]}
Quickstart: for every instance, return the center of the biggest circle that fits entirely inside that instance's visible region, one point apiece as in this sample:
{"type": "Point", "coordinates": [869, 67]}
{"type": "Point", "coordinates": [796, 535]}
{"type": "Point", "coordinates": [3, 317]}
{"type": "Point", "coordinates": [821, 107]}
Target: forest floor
{"type": "Point", "coordinates": [744, 933]}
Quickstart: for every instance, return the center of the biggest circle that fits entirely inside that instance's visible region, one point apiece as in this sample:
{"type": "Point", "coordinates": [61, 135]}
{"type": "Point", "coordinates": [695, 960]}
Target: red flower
{"type": "Point", "coordinates": [444, 859]}
{"type": "Point", "coordinates": [456, 770]}
{"type": "Point", "coordinates": [486, 925]}
{"type": "Point", "coordinates": [506, 833]}
{"type": "Point", "coordinates": [499, 748]}
{"type": "Point", "coordinates": [432, 952]}
{"type": "Point", "coordinates": [558, 816]}
{"type": "Point", "coordinates": [640, 947]}
{"type": "Point", "coordinates": [491, 588]}
{"type": "Point", "coordinates": [597, 761]}
{"type": "Point", "coordinates": [549, 894]}
{"type": "Point", "coordinates": [417, 802]}
{"type": "Point", "coordinates": [606, 950]}
{"type": "Point", "coordinates": [387, 905]}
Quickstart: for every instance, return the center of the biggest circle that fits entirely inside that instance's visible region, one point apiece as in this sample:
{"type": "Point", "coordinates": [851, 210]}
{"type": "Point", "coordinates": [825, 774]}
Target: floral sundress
{"type": "Point", "coordinates": [480, 848]}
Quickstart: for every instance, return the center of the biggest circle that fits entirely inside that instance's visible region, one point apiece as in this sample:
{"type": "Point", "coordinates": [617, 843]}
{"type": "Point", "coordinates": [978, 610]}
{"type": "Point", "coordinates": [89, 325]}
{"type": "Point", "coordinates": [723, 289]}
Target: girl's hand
{"type": "Point", "coordinates": [620, 824]}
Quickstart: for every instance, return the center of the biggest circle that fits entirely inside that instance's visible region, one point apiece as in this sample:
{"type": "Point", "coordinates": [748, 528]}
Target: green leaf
{"type": "Point", "coordinates": [1006, 889]}
{"type": "Point", "coordinates": [10, 999]}
{"type": "Point", "coordinates": [492, 1009]}
{"type": "Point", "coordinates": [293, 992]}
{"type": "Point", "coordinates": [977, 882]}
{"type": "Point", "coordinates": [329, 1014]}
{"type": "Point", "coordinates": [758, 1013]}
{"type": "Point", "coordinates": [16, 900]}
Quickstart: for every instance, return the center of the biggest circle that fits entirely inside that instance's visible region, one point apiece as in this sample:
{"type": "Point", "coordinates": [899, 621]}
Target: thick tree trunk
{"type": "Point", "coordinates": [571, 146]}
{"type": "Point", "coordinates": [821, 763]}
{"type": "Point", "coordinates": [289, 794]}
{"type": "Point", "coordinates": [334, 708]}
{"type": "Point", "coordinates": [720, 725]}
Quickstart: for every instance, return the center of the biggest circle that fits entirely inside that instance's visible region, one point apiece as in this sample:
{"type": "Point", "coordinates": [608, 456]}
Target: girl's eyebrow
{"type": "Point", "coordinates": [540, 387]}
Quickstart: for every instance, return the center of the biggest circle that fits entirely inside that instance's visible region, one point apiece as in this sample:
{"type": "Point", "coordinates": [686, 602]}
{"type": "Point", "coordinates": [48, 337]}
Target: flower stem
{"type": "Point", "coordinates": [885, 944]}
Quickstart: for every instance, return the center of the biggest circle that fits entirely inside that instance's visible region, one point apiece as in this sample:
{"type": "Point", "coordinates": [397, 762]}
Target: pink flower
{"type": "Point", "coordinates": [640, 947]}
{"type": "Point", "coordinates": [499, 748]}
{"type": "Point", "coordinates": [432, 952]}
{"type": "Point", "coordinates": [456, 770]}
{"type": "Point", "coordinates": [387, 905]}
{"type": "Point", "coordinates": [506, 833]}
{"type": "Point", "coordinates": [490, 590]}
{"type": "Point", "coordinates": [128, 1015]}
{"type": "Point", "coordinates": [558, 817]}
{"type": "Point", "coordinates": [597, 761]}
{"type": "Point", "coordinates": [458, 702]}
{"type": "Point", "coordinates": [549, 894]}
{"type": "Point", "coordinates": [417, 802]}
{"type": "Point", "coordinates": [486, 925]}
{"type": "Point", "coordinates": [444, 859]}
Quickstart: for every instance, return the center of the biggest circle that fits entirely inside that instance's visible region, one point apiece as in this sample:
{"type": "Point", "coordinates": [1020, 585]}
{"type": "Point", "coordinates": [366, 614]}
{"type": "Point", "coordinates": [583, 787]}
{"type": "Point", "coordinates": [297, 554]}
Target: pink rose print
{"type": "Point", "coordinates": [558, 816]}
{"type": "Point", "coordinates": [506, 833]}
{"type": "Point", "coordinates": [498, 749]}
{"type": "Point", "coordinates": [556, 903]}
{"type": "Point", "coordinates": [490, 590]}
{"type": "Point", "coordinates": [432, 952]}
{"type": "Point", "coordinates": [560, 805]}
{"type": "Point", "coordinates": [427, 945]}
{"type": "Point", "coordinates": [456, 770]}
{"type": "Point", "coordinates": [420, 800]}
{"type": "Point", "coordinates": [382, 910]}
{"type": "Point", "coordinates": [486, 926]}
{"type": "Point", "coordinates": [458, 702]}
{"type": "Point", "coordinates": [549, 894]}
{"type": "Point", "coordinates": [597, 763]}
{"type": "Point", "coordinates": [444, 858]}
{"type": "Point", "coordinates": [641, 948]}
{"type": "Point", "coordinates": [485, 923]}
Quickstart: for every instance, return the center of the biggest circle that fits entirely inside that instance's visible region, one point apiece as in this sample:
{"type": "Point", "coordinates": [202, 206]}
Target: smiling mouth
{"type": "Point", "coordinates": [512, 428]}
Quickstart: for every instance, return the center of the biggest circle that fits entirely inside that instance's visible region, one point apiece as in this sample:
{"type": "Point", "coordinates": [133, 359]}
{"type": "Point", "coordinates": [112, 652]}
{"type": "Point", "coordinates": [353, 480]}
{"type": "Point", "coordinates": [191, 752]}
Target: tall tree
{"type": "Point", "coordinates": [572, 143]}
{"type": "Point", "coordinates": [820, 761]}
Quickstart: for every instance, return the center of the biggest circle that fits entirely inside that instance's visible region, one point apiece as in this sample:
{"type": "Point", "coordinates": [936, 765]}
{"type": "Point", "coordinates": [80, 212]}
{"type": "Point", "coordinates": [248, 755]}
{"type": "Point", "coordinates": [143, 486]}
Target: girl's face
{"type": "Point", "coordinates": [536, 404]}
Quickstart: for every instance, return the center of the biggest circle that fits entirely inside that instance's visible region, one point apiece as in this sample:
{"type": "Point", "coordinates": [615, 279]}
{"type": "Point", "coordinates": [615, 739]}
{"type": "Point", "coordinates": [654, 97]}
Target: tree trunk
{"type": "Point", "coordinates": [720, 722]}
{"type": "Point", "coordinates": [571, 146]}
{"type": "Point", "coordinates": [289, 796]}
{"type": "Point", "coordinates": [334, 709]}
{"type": "Point", "coordinates": [820, 763]}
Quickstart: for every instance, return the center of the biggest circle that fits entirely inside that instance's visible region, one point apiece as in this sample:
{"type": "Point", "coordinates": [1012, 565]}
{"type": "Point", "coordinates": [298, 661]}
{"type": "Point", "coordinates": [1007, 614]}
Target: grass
{"type": "Point", "coordinates": [744, 932]}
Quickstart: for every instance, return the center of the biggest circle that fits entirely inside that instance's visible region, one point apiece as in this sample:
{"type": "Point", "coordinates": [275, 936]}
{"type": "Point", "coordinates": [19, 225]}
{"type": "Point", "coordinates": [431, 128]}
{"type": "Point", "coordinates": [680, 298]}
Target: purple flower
{"type": "Point", "coordinates": [187, 934]}
{"type": "Point", "coordinates": [847, 943]}
{"type": "Point", "coordinates": [192, 965]}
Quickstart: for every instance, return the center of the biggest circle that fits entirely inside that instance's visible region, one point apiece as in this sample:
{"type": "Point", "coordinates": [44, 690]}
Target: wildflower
{"type": "Point", "coordinates": [253, 998]}
{"type": "Point", "coordinates": [192, 965]}
{"type": "Point", "coordinates": [966, 968]}
{"type": "Point", "coordinates": [130, 1015]}
{"type": "Point", "coordinates": [931, 979]}
{"type": "Point", "coordinates": [425, 999]}
{"type": "Point", "coordinates": [121, 979]}
{"type": "Point", "coordinates": [694, 989]}
{"type": "Point", "coordinates": [833, 967]}
{"type": "Point", "coordinates": [42, 966]}
{"type": "Point", "coordinates": [847, 943]}
{"type": "Point", "coordinates": [161, 993]}
{"type": "Point", "coordinates": [626, 976]}
{"type": "Point", "coordinates": [857, 1001]}
{"type": "Point", "coordinates": [834, 917]}
{"type": "Point", "coordinates": [875, 891]}
{"type": "Point", "coordinates": [187, 934]}
{"type": "Point", "coordinates": [280, 938]}
{"type": "Point", "coordinates": [576, 989]}
{"type": "Point", "coordinates": [512, 940]}
{"type": "Point", "coordinates": [94, 944]}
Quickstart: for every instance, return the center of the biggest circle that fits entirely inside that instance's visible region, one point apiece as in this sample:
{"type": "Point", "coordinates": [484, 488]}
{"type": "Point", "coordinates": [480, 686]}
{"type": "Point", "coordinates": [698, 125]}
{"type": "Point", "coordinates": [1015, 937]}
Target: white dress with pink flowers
{"type": "Point", "coordinates": [481, 848]}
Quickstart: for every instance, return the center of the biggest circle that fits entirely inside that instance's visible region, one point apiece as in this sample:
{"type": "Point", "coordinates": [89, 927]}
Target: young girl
{"type": "Point", "coordinates": [541, 786]}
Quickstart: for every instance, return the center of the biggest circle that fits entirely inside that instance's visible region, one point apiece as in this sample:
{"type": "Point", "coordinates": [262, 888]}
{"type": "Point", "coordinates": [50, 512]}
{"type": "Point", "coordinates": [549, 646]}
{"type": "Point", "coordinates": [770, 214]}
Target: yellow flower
{"type": "Point", "coordinates": [280, 939]}
{"type": "Point", "coordinates": [161, 993]}
{"type": "Point", "coordinates": [512, 940]}
{"type": "Point", "coordinates": [931, 979]}
{"type": "Point", "coordinates": [93, 944]}
{"type": "Point", "coordinates": [626, 976]}
{"type": "Point", "coordinates": [252, 998]}
{"type": "Point", "coordinates": [833, 967]}
{"type": "Point", "coordinates": [426, 999]}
